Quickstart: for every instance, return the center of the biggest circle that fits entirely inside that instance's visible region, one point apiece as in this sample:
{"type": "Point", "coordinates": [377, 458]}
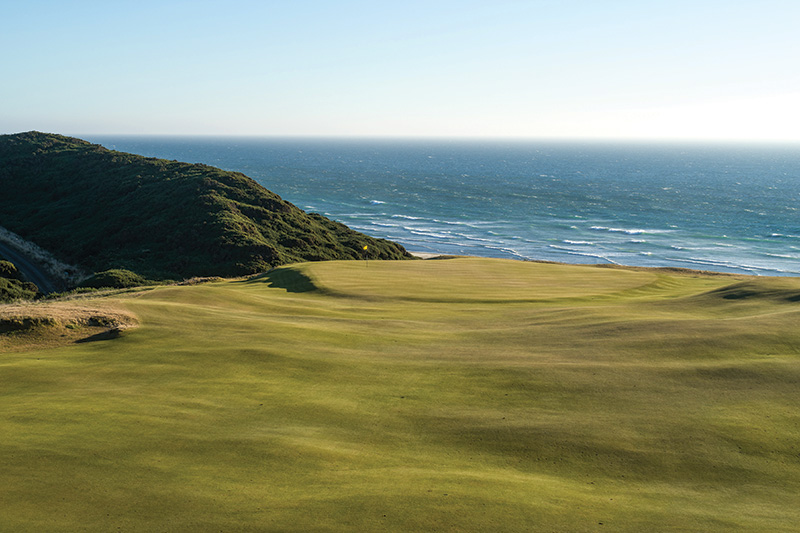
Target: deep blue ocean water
{"type": "Point", "coordinates": [724, 208]}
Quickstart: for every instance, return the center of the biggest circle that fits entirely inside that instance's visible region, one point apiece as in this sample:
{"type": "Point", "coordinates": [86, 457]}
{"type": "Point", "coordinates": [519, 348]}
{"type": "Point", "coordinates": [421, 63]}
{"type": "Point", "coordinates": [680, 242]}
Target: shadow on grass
{"type": "Point", "coordinates": [286, 278]}
{"type": "Point", "coordinates": [109, 334]}
{"type": "Point", "coordinates": [770, 289]}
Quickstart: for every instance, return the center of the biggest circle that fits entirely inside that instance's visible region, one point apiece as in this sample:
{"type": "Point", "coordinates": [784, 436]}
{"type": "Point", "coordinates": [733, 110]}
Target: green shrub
{"type": "Point", "coordinates": [12, 289]}
{"type": "Point", "coordinates": [9, 270]}
{"type": "Point", "coordinates": [117, 278]}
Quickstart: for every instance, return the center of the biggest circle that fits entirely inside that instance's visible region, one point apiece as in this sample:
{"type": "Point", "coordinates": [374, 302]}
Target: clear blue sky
{"type": "Point", "coordinates": [700, 69]}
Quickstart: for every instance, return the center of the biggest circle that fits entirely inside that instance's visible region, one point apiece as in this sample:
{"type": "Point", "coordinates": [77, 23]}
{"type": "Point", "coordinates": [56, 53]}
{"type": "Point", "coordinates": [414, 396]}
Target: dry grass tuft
{"type": "Point", "coordinates": [25, 326]}
{"type": "Point", "coordinates": [198, 281]}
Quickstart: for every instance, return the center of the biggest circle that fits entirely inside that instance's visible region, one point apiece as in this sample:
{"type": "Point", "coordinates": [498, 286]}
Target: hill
{"type": "Point", "coordinates": [450, 395]}
{"type": "Point", "coordinates": [101, 209]}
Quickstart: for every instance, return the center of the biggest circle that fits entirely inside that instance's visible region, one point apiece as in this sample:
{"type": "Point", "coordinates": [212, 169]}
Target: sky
{"type": "Point", "coordinates": [571, 69]}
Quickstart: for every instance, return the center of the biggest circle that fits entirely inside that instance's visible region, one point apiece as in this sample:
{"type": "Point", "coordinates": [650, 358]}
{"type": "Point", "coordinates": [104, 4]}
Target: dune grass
{"type": "Point", "coordinates": [452, 395]}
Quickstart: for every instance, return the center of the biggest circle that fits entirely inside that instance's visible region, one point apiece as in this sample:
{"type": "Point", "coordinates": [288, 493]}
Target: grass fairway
{"type": "Point", "coordinates": [449, 395]}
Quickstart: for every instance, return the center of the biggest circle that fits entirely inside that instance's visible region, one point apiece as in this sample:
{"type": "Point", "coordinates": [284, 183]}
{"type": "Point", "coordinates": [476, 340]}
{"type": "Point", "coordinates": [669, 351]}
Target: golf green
{"type": "Point", "coordinates": [440, 395]}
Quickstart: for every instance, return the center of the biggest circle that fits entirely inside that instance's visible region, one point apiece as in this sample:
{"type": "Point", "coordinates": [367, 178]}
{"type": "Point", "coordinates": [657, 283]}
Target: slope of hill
{"type": "Point", "coordinates": [102, 209]}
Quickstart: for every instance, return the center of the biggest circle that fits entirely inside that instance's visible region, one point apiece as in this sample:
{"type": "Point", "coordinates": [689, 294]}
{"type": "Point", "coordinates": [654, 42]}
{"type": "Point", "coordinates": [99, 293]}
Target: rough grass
{"type": "Point", "coordinates": [453, 395]}
{"type": "Point", "coordinates": [28, 326]}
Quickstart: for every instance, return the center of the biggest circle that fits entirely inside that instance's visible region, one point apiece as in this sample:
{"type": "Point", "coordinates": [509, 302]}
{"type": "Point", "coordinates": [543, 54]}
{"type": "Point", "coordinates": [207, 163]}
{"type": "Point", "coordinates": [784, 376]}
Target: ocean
{"type": "Point", "coordinates": [725, 208]}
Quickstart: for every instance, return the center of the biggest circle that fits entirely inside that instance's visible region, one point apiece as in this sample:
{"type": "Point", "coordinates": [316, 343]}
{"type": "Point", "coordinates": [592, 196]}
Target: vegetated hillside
{"type": "Point", "coordinates": [12, 285]}
{"type": "Point", "coordinates": [102, 209]}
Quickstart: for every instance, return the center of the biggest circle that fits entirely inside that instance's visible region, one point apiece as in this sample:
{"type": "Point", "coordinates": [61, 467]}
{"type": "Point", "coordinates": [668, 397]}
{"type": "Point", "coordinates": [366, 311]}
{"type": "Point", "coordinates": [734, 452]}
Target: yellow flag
{"type": "Point", "coordinates": [365, 246]}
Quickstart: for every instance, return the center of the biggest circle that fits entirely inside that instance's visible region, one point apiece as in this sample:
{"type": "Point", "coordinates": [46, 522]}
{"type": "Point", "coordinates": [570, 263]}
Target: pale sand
{"type": "Point", "coordinates": [426, 255]}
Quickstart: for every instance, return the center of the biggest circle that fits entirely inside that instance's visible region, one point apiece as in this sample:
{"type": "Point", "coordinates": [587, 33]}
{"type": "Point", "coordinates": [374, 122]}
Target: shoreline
{"type": "Point", "coordinates": [675, 270]}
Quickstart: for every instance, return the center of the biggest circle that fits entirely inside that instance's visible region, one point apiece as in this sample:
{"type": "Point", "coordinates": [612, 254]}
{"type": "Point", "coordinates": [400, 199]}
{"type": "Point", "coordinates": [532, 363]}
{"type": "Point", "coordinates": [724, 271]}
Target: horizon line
{"type": "Point", "coordinates": [440, 138]}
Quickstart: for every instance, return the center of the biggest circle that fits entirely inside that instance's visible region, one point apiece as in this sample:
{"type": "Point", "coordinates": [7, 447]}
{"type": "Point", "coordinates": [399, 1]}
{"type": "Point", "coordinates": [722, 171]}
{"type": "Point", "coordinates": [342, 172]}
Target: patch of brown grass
{"type": "Point", "coordinates": [26, 326]}
{"type": "Point", "coordinates": [198, 281]}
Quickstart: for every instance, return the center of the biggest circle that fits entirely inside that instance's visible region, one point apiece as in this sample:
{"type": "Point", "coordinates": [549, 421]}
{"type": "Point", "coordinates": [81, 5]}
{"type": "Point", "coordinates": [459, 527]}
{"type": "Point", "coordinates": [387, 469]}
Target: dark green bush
{"type": "Point", "coordinates": [9, 270]}
{"type": "Point", "coordinates": [12, 289]}
{"type": "Point", "coordinates": [117, 278]}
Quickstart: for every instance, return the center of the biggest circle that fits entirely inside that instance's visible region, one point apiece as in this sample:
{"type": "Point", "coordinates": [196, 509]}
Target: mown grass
{"type": "Point", "coordinates": [455, 395]}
